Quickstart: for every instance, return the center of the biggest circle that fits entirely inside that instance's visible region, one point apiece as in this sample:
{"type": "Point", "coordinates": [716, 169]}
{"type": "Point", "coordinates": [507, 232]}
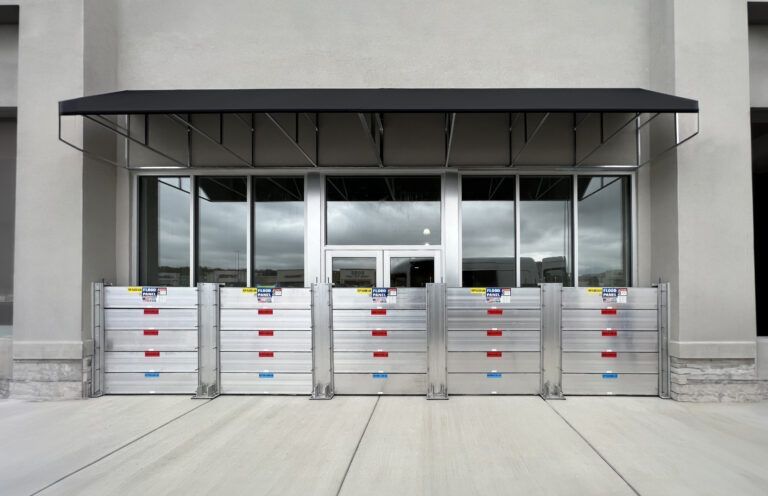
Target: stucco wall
{"type": "Point", "coordinates": [401, 43]}
{"type": "Point", "coordinates": [49, 192]}
{"type": "Point", "coordinates": [714, 182]}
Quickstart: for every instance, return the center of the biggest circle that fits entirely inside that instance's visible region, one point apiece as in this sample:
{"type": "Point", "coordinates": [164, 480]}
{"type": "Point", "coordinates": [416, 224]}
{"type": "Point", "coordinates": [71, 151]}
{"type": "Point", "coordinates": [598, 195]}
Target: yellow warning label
{"type": "Point", "coordinates": [364, 291]}
{"type": "Point", "coordinates": [249, 290]}
{"type": "Point", "coordinates": [477, 291]}
{"type": "Point", "coordinates": [595, 291]}
{"type": "Point", "coordinates": [134, 289]}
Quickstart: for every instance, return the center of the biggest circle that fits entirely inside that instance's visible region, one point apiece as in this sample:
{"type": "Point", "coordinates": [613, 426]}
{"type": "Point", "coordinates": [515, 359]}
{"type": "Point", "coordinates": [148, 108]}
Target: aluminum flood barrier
{"type": "Point", "coordinates": [494, 340]}
{"type": "Point", "coordinates": [379, 340]}
{"type": "Point", "coordinates": [434, 341]}
{"type": "Point", "coordinates": [146, 341]}
{"type": "Point", "coordinates": [611, 341]}
{"type": "Point", "coordinates": [266, 341]}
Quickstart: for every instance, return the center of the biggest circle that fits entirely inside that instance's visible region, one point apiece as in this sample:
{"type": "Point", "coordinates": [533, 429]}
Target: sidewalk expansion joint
{"type": "Point", "coordinates": [615, 470]}
{"type": "Point", "coordinates": [359, 441]}
{"type": "Point", "coordinates": [129, 443]}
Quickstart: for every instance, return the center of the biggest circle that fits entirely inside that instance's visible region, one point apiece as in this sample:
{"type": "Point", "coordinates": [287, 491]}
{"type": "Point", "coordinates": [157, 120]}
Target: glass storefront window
{"type": "Point", "coordinates": [545, 230]}
{"type": "Point", "coordinates": [164, 231]}
{"type": "Point", "coordinates": [375, 210]}
{"type": "Point", "coordinates": [488, 231]}
{"type": "Point", "coordinates": [353, 272]}
{"type": "Point", "coordinates": [604, 231]}
{"type": "Point", "coordinates": [222, 220]}
{"type": "Point", "coordinates": [411, 272]}
{"type": "Point", "coordinates": [278, 231]}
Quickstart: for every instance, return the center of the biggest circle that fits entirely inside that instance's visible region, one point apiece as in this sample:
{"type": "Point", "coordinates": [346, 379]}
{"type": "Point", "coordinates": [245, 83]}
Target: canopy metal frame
{"type": "Point", "coordinates": [374, 129]}
{"type": "Point", "coordinates": [528, 112]}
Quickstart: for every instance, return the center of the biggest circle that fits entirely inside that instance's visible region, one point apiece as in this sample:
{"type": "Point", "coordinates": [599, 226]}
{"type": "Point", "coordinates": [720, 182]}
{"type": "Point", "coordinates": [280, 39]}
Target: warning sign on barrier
{"type": "Point", "coordinates": [264, 295]}
{"type": "Point", "coordinates": [497, 295]}
{"type": "Point", "coordinates": [384, 295]}
{"type": "Point", "coordinates": [614, 295]}
{"type": "Point", "coordinates": [153, 295]}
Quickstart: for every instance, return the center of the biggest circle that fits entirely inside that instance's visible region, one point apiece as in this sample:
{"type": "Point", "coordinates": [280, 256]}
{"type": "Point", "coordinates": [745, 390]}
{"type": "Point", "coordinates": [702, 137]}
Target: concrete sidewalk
{"type": "Point", "coordinates": [389, 445]}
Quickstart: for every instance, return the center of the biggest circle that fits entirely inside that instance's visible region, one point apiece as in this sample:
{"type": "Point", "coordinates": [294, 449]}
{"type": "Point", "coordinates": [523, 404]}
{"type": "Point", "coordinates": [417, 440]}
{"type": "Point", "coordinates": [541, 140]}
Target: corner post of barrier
{"type": "Point", "coordinates": [551, 341]}
{"type": "Point", "coordinates": [97, 337]}
{"type": "Point", "coordinates": [322, 342]}
{"type": "Point", "coordinates": [437, 373]}
{"type": "Point", "coordinates": [662, 307]}
{"type": "Point", "coordinates": [208, 369]}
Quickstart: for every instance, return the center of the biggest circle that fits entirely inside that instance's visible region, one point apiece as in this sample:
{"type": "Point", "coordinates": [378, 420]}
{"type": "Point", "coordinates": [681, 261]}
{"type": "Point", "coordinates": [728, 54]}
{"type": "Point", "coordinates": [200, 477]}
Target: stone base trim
{"type": "Point", "coordinates": [716, 380]}
{"type": "Point", "coordinates": [47, 379]}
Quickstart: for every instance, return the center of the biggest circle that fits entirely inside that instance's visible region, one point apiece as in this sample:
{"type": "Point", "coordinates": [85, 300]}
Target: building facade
{"type": "Point", "coordinates": [685, 218]}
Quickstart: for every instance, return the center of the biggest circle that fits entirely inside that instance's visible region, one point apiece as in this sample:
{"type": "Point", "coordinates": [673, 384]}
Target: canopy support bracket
{"type": "Point", "coordinates": [290, 138]}
{"type": "Point", "coordinates": [678, 140]}
{"type": "Point", "coordinates": [373, 132]}
{"type": "Point", "coordinates": [450, 126]}
{"type": "Point", "coordinates": [603, 139]}
{"type": "Point", "coordinates": [217, 142]}
{"type": "Point", "coordinates": [528, 138]}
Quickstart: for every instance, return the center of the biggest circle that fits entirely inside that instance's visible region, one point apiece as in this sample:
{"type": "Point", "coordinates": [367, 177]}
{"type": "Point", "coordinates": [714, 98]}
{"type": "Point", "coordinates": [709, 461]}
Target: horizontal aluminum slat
{"type": "Point", "coordinates": [360, 298]}
{"type": "Point", "coordinates": [381, 339]}
{"type": "Point", "coordinates": [638, 298]}
{"type": "Point", "coordinates": [380, 383]}
{"type": "Point", "coordinates": [482, 341]}
{"type": "Point", "coordinates": [150, 361]}
{"type": "Point", "coordinates": [149, 297]}
{"type": "Point", "coordinates": [482, 319]}
{"type": "Point", "coordinates": [611, 384]}
{"type": "Point", "coordinates": [265, 340]}
{"type": "Point", "coordinates": [643, 363]}
{"type": "Point", "coordinates": [266, 361]}
{"type": "Point", "coordinates": [464, 298]}
{"type": "Point", "coordinates": [265, 383]}
{"type": "Point", "coordinates": [165, 340]}
{"type": "Point", "coordinates": [499, 361]}
{"type": "Point", "coordinates": [620, 341]}
{"type": "Point", "coordinates": [289, 298]}
{"type": "Point", "coordinates": [393, 320]}
{"type": "Point", "coordinates": [150, 318]}
{"type": "Point", "coordinates": [625, 320]}
{"type": "Point", "coordinates": [150, 383]}
{"type": "Point", "coordinates": [490, 383]}
{"type": "Point", "coordinates": [383, 361]}
{"type": "Point", "coordinates": [234, 319]}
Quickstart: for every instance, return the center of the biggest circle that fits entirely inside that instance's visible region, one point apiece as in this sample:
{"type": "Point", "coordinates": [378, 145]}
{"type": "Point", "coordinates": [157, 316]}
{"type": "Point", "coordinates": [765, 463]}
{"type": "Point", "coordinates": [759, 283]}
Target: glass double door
{"type": "Point", "coordinates": [382, 268]}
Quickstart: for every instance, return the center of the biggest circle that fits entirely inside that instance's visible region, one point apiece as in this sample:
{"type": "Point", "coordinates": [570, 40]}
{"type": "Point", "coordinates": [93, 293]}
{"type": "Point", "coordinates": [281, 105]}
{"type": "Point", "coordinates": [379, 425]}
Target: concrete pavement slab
{"type": "Point", "coordinates": [665, 447]}
{"type": "Point", "coordinates": [41, 442]}
{"type": "Point", "coordinates": [475, 445]}
{"type": "Point", "coordinates": [236, 445]}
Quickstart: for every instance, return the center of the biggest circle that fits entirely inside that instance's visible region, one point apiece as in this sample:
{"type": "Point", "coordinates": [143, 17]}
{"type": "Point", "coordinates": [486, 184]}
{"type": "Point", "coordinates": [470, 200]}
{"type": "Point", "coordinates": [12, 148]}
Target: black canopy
{"type": "Point", "coordinates": [378, 100]}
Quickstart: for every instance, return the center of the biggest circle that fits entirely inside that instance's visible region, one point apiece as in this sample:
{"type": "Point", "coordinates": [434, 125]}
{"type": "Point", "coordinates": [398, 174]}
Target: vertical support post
{"type": "Point", "coordinates": [451, 233]}
{"type": "Point", "coordinates": [97, 335]}
{"type": "Point", "coordinates": [663, 326]}
{"type": "Point", "coordinates": [551, 336]}
{"type": "Point", "coordinates": [437, 373]}
{"type": "Point", "coordinates": [208, 384]}
{"type": "Point", "coordinates": [322, 342]}
{"type": "Point", "coordinates": [518, 276]}
{"type": "Point", "coordinates": [314, 227]}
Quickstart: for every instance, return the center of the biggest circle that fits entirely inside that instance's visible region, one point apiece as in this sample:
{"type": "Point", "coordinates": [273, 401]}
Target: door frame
{"type": "Point", "coordinates": [371, 253]}
{"type": "Point", "coordinates": [426, 253]}
{"type": "Point", "coordinates": [383, 256]}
